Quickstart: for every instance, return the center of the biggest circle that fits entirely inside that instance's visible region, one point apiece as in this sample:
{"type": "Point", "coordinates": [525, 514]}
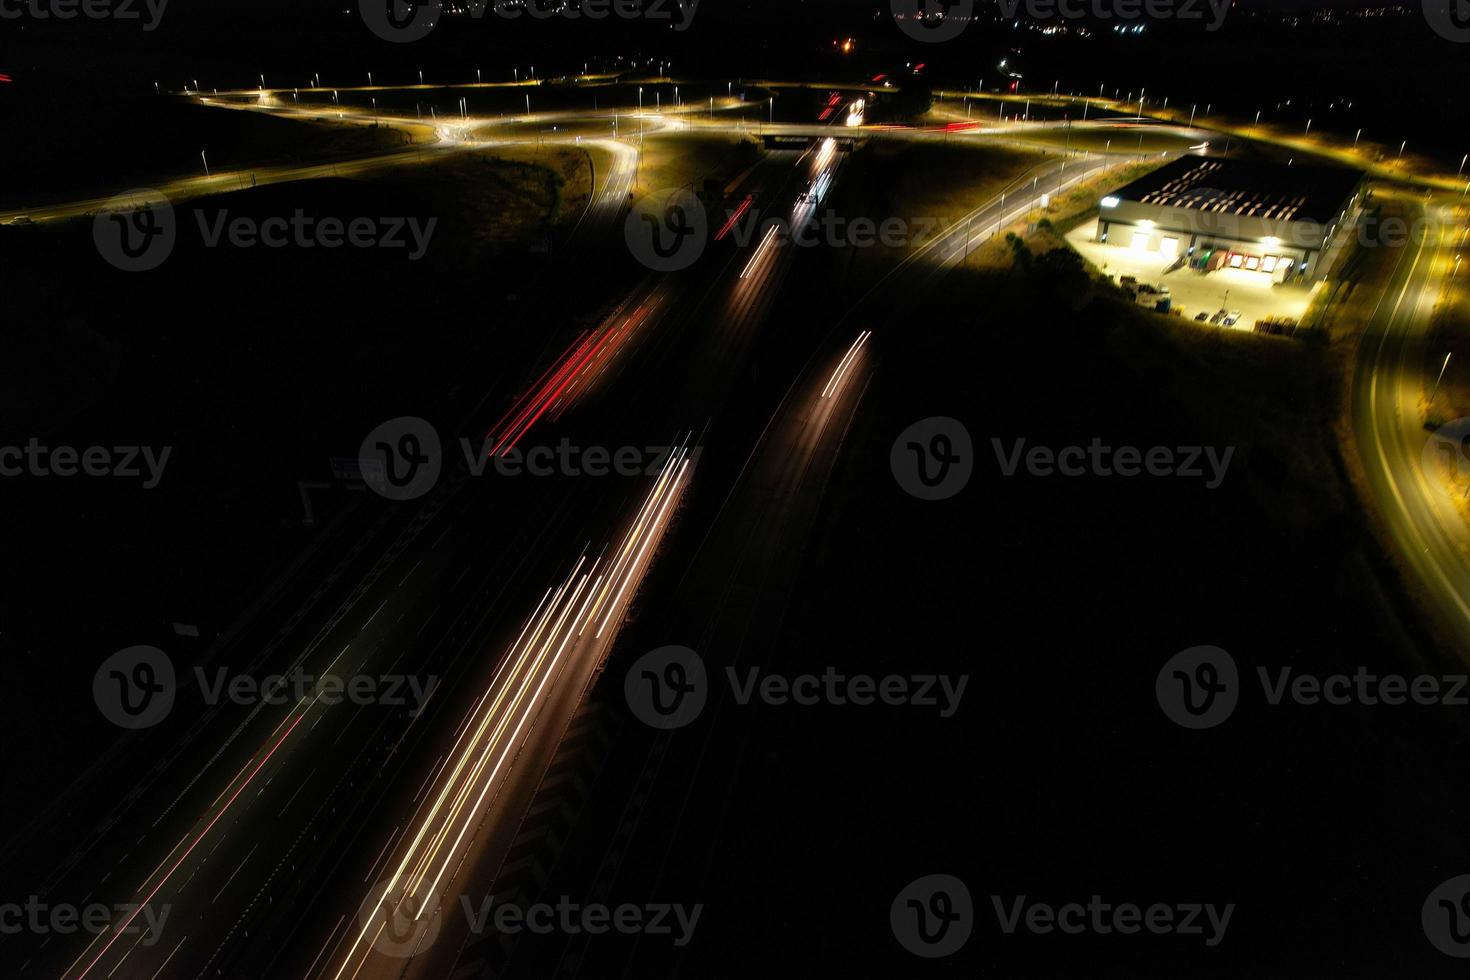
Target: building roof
{"type": "Point", "coordinates": [1254, 190]}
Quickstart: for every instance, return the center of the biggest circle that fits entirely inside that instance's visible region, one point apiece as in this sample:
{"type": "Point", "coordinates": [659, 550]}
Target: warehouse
{"type": "Point", "coordinates": [1284, 222]}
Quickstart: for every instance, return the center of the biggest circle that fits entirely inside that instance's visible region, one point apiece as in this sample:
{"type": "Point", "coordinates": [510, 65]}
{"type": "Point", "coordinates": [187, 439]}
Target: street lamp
{"type": "Point", "coordinates": [206, 162]}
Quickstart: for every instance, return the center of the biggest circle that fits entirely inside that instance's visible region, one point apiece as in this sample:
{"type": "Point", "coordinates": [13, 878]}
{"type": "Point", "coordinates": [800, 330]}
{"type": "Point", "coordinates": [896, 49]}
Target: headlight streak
{"type": "Point", "coordinates": [835, 382]}
{"type": "Point", "coordinates": [127, 921]}
{"type": "Point", "coordinates": [491, 733]}
{"type": "Point", "coordinates": [760, 250]}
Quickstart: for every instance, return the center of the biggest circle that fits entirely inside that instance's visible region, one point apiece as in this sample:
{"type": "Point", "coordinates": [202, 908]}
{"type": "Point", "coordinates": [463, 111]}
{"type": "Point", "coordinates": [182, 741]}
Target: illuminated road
{"type": "Point", "coordinates": [265, 829]}
{"type": "Point", "coordinates": [268, 802]}
{"type": "Point", "coordinates": [1389, 387]}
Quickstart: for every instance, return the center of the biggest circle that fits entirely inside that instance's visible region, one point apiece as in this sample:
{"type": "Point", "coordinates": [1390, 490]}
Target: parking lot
{"type": "Point", "coordinates": [1251, 293]}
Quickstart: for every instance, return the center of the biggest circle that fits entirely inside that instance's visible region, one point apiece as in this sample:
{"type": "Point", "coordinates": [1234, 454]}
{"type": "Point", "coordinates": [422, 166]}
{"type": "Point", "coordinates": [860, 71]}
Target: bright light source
{"type": "Point", "coordinates": [1270, 241]}
{"type": "Point", "coordinates": [1145, 223]}
{"type": "Point", "coordinates": [1109, 202]}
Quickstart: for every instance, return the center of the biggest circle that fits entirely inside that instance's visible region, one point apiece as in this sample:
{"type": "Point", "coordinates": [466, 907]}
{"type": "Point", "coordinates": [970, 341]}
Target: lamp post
{"type": "Point", "coordinates": [206, 162]}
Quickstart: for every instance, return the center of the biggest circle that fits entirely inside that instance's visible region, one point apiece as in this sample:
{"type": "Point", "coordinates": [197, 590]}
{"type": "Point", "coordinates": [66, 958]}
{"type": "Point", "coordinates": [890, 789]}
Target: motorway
{"type": "Point", "coordinates": [285, 840]}
{"type": "Point", "coordinates": [260, 807]}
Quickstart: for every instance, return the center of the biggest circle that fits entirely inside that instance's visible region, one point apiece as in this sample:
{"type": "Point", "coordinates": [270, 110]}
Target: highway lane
{"type": "Point", "coordinates": [729, 602]}
{"type": "Point", "coordinates": [745, 298]}
{"type": "Point", "coordinates": [607, 203]}
{"type": "Point", "coordinates": [705, 362]}
{"type": "Point", "coordinates": [280, 761]}
{"type": "Point", "coordinates": [554, 657]}
{"type": "Point", "coordinates": [1390, 383]}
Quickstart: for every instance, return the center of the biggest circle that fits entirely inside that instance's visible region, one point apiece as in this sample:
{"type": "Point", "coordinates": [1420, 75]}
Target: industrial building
{"type": "Point", "coordinates": [1285, 222]}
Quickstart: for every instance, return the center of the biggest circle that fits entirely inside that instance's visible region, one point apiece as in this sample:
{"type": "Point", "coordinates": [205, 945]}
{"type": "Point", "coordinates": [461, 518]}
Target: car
{"type": "Point", "coordinates": [1202, 315]}
{"type": "Point", "coordinates": [1219, 315]}
{"type": "Point", "coordinates": [1232, 318]}
{"type": "Point", "coordinates": [1128, 280]}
